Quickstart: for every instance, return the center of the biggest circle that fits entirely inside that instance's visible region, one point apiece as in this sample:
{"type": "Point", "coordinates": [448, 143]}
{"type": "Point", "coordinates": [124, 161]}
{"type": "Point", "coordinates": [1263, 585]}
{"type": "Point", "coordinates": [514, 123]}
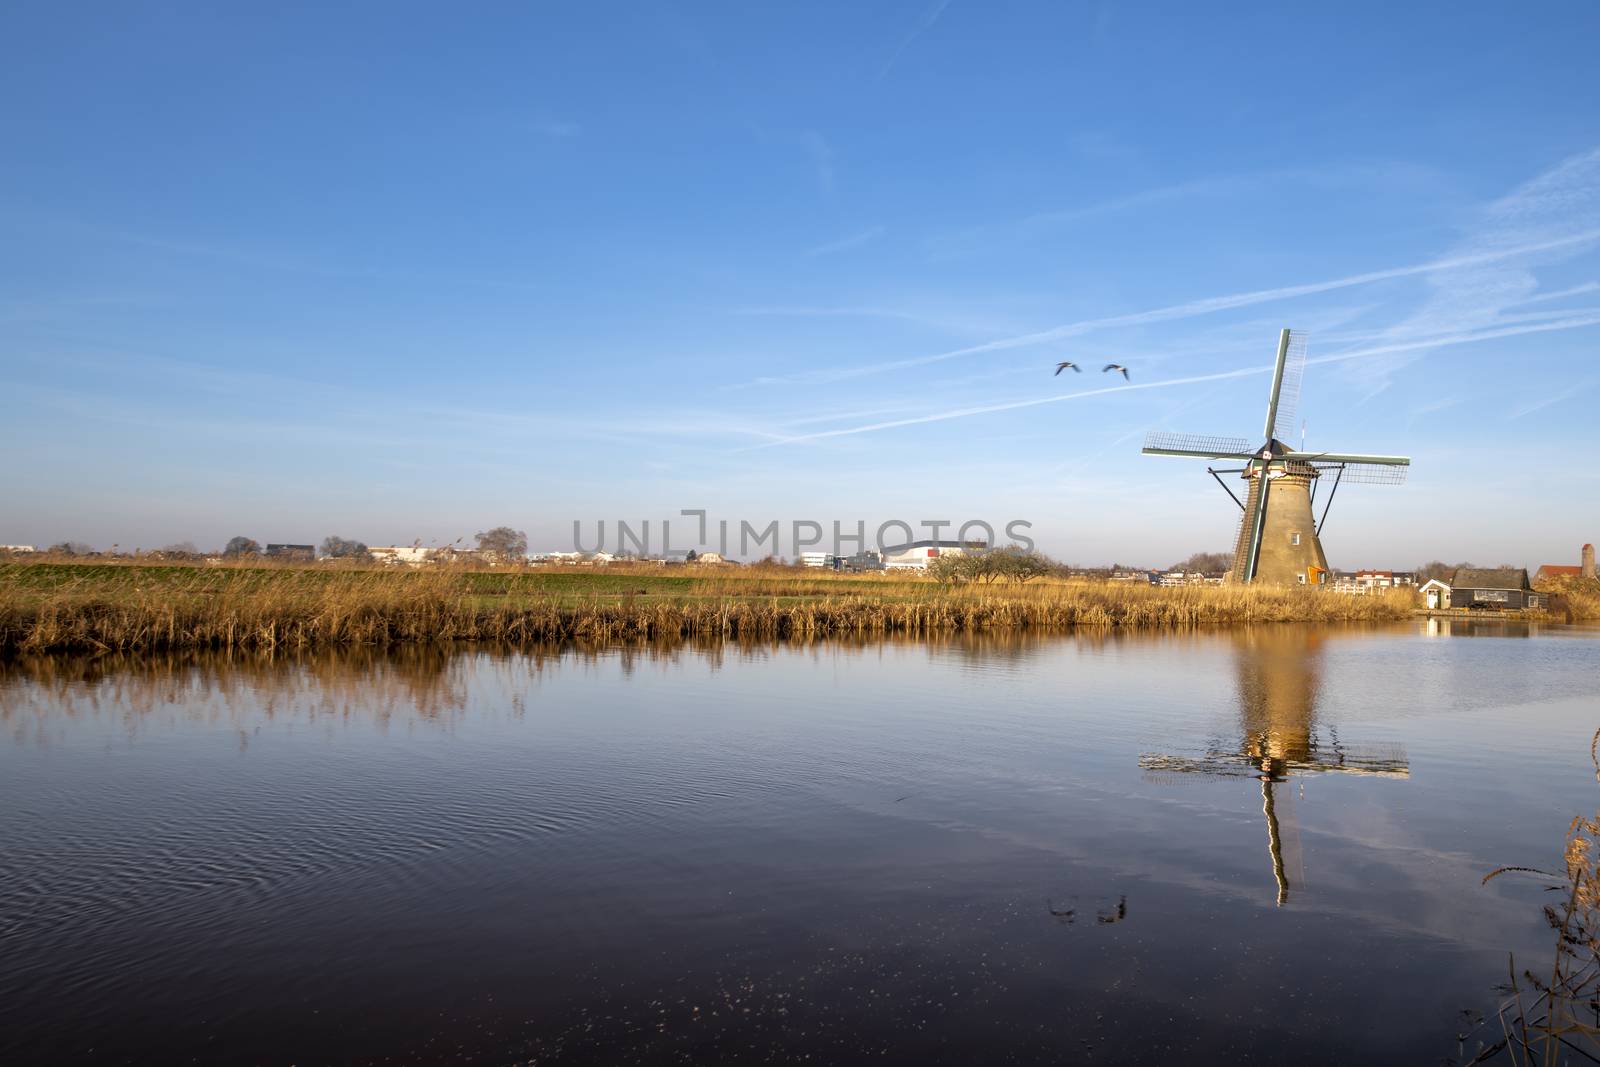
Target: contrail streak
{"type": "Point", "coordinates": [1205, 307]}
{"type": "Point", "coordinates": [1167, 383]}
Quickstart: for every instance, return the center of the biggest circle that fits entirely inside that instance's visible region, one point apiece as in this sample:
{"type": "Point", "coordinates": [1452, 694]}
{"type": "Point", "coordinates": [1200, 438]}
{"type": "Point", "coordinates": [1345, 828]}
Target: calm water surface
{"type": "Point", "coordinates": [1247, 846]}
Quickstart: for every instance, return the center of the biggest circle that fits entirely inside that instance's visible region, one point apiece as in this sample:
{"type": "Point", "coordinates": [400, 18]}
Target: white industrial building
{"type": "Point", "coordinates": [917, 555]}
{"type": "Point", "coordinates": [407, 555]}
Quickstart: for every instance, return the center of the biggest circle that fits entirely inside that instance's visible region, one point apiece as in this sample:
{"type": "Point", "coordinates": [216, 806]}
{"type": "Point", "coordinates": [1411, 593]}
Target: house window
{"type": "Point", "coordinates": [1301, 576]}
{"type": "Point", "coordinates": [1294, 539]}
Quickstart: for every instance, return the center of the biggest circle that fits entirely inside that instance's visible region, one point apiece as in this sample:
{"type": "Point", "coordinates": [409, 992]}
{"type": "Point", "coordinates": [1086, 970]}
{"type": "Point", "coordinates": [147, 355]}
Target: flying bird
{"type": "Point", "coordinates": [1116, 366]}
{"type": "Point", "coordinates": [1064, 364]}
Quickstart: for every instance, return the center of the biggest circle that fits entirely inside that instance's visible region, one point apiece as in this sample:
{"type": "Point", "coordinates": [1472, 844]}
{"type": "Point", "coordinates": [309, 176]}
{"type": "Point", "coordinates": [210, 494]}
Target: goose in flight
{"type": "Point", "coordinates": [1064, 364]}
{"type": "Point", "coordinates": [1116, 366]}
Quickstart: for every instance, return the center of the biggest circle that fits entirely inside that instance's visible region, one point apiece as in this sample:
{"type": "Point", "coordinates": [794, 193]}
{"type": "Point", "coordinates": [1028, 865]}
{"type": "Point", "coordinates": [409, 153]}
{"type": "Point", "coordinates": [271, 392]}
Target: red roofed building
{"type": "Point", "coordinates": [1566, 570]}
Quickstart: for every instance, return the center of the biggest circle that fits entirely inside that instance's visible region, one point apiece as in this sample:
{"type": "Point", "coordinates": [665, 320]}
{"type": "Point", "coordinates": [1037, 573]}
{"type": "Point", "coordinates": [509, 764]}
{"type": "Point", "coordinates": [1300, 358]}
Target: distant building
{"type": "Point", "coordinates": [1365, 581]}
{"type": "Point", "coordinates": [17, 550]}
{"type": "Point", "coordinates": [400, 555]}
{"type": "Point", "coordinates": [826, 560]}
{"type": "Point", "coordinates": [1583, 569]}
{"type": "Point", "coordinates": [862, 561]}
{"type": "Point", "coordinates": [1505, 588]}
{"type": "Point", "coordinates": [1148, 577]}
{"type": "Point", "coordinates": [292, 553]}
{"type": "Point", "coordinates": [917, 555]}
{"type": "Point", "coordinates": [1435, 594]}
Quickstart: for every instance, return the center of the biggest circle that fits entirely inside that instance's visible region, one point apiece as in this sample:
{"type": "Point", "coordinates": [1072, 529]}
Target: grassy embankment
{"type": "Point", "coordinates": [131, 607]}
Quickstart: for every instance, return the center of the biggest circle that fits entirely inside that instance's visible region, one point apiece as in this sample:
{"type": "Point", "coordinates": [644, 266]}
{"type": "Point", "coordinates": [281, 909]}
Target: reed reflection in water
{"type": "Point", "coordinates": [741, 851]}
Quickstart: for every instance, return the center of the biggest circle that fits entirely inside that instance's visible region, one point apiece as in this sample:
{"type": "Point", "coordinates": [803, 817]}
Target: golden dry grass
{"type": "Point", "coordinates": [51, 607]}
{"type": "Point", "coordinates": [1576, 599]}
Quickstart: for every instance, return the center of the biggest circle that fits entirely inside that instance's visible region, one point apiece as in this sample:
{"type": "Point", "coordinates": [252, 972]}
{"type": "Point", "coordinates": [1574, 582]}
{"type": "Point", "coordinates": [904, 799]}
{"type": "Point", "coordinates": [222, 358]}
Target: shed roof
{"type": "Point", "coordinates": [1497, 578]}
{"type": "Point", "coordinates": [1557, 570]}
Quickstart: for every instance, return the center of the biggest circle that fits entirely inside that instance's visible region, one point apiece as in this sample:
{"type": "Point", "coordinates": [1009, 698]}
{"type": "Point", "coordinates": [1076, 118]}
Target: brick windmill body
{"type": "Point", "coordinates": [1279, 538]}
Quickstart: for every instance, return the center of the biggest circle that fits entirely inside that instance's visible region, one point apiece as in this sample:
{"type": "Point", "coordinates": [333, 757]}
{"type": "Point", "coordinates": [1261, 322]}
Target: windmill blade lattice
{"type": "Point", "coordinates": [1294, 372]}
{"type": "Point", "coordinates": [1198, 444]}
{"type": "Point", "coordinates": [1365, 473]}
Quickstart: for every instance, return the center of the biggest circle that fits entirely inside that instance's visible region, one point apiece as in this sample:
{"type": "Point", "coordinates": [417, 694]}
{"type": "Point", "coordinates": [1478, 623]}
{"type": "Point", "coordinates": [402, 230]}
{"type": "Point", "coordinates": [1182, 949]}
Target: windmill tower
{"type": "Point", "coordinates": [1279, 539]}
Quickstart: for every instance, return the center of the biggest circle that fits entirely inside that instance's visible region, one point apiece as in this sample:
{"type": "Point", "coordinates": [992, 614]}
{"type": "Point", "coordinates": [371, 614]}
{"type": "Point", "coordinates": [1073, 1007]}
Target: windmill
{"type": "Point", "coordinates": [1280, 737]}
{"type": "Point", "coordinates": [1279, 539]}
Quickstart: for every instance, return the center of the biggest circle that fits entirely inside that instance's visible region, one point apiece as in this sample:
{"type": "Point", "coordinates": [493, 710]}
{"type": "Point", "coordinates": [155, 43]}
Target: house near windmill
{"type": "Point", "coordinates": [1279, 539]}
{"type": "Point", "coordinates": [1583, 569]}
{"type": "Point", "coordinates": [1491, 588]}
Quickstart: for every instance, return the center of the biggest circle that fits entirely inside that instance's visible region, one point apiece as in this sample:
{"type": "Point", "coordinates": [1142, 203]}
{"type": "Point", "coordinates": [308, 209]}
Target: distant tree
{"type": "Point", "coordinates": [241, 546]}
{"type": "Point", "coordinates": [691, 556]}
{"type": "Point", "coordinates": [1439, 569]}
{"type": "Point", "coordinates": [1206, 563]}
{"type": "Point", "coordinates": [1009, 564]}
{"type": "Point", "coordinates": [339, 548]}
{"type": "Point", "coordinates": [503, 542]}
{"type": "Point", "coordinates": [70, 548]}
{"type": "Point", "coordinates": [1016, 564]}
{"type": "Point", "coordinates": [181, 550]}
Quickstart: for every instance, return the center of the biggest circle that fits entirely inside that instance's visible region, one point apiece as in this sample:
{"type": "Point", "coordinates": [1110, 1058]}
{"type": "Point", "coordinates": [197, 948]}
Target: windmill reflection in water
{"type": "Point", "coordinates": [1278, 683]}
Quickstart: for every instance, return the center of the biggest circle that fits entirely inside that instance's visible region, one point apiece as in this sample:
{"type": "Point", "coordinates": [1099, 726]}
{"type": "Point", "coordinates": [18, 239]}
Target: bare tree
{"type": "Point", "coordinates": [339, 548]}
{"type": "Point", "coordinates": [1009, 564]}
{"type": "Point", "coordinates": [1206, 563]}
{"type": "Point", "coordinates": [181, 550]}
{"type": "Point", "coordinates": [1439, 569]}
{"type": "Point", "coordinates": [503, 542]}
{"type": "Point", "coordinates": [70, 548]}
{"type": "Point", "coordinates": [241, 546]}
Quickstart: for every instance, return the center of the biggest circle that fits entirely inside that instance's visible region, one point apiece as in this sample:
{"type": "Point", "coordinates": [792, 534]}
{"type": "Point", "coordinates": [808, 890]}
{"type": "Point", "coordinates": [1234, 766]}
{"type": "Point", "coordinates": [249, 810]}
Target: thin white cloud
{"type": "Point", "coordinates": [844, 244]}
{"type": "Point", "coordinates": [980, 238]}
{"type": "Point", "coordinates": [1539, 222]}
{"type": "Point", "coordinates": [924, 22]}
{"type": "Point", "coordinates": [1577, 322]}
{"type": "Point", "coordinates": [550, 127]}
{"type": "Point", "coordinates": [1562, 294]}
{"type": "Point", "coordinates": [821, 152]}
{"type": "Point", "coordinates": [1554, 398]}
{"type": "Point", "coordinates": [1207, 306]}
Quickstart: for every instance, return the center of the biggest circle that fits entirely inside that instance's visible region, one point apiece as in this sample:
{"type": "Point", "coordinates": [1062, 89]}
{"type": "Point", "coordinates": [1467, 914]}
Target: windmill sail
{"type": "Point", "coordinates": [1247, 543]}
{"type": "Point", "coordinates": [1365, 473]}
{"type": "Point", "coordinates": [1355, 467]}
{"type": "Point", "coordinates": [1207, 446]}
{"type": "Point", "coordinates": [1294, 372]}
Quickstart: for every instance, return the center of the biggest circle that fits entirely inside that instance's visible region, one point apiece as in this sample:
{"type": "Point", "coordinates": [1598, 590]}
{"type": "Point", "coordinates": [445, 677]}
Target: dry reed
{"type": "Point", "coordinates": [1545, 1018]}
{"type": "Point", "coordinates": [57, 607]}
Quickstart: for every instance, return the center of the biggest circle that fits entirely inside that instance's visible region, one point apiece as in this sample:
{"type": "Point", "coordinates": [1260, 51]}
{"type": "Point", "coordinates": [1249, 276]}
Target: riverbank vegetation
{"type": "Point", "coordinates": [1574, 599]}
{"type": "Point", "coordinates": [133, 607]}
{"type": "Point", "coordinates": [1547, 1015]}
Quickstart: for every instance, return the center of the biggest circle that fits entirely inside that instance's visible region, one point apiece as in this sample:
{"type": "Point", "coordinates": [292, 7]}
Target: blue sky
{"type": "Point", "coordinates": [401, 272]}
